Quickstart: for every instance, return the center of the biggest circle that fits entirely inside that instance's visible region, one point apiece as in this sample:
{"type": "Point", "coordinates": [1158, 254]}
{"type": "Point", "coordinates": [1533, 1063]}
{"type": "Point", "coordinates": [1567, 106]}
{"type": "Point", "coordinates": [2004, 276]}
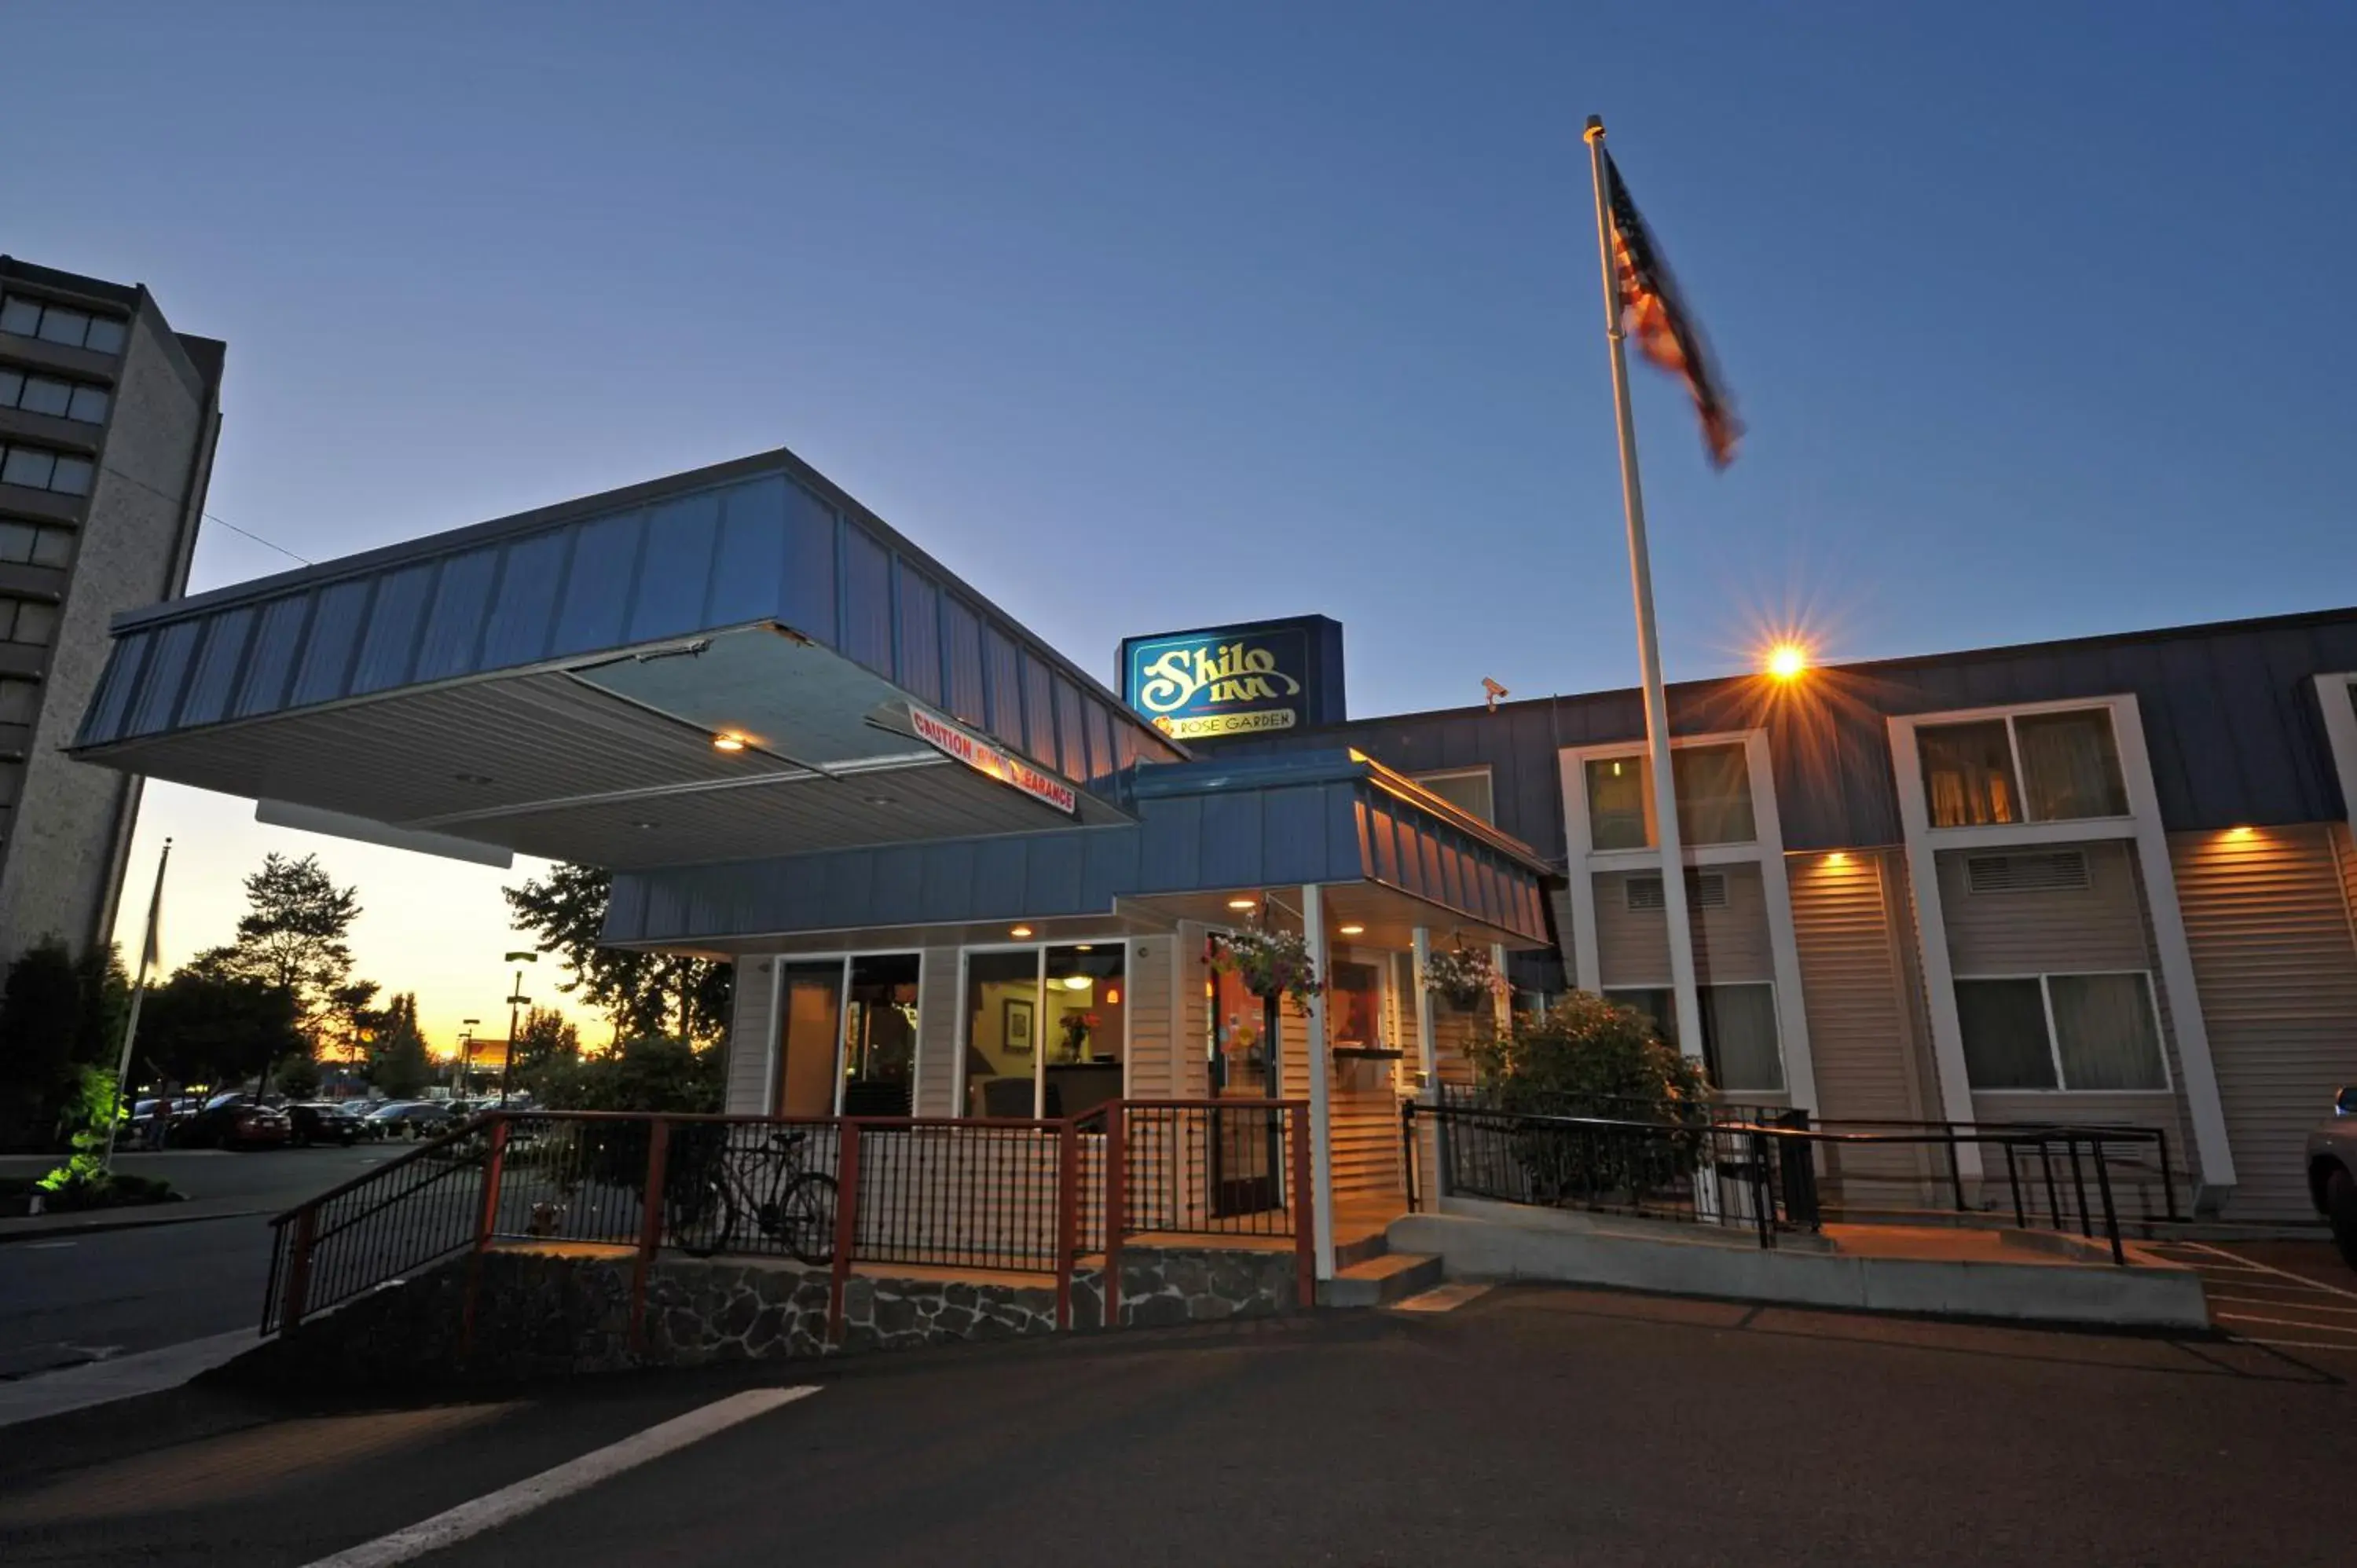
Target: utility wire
{"type": "Point", "coordinates": [208, 515]}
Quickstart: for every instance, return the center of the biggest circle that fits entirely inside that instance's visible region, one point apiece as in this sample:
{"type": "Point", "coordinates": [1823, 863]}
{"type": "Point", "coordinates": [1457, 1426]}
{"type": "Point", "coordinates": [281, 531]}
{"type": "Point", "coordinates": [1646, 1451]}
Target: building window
{"type": "Point", "coordinates": [2031, 767]}
{"type": "Point", "coordinates": [1714, 789]}
{"type": "Point", "coordinates": [41, 469]}
{"type": "Point", "coordinates": [60, 323]}
{"type": "Point", "coordinates": [1739, 1046]}
{"type": "Point", "coordinates": [2079, 1032]}
{"type": "Point", "coordinates": [19, 701]}
{"type": "Point", "coordinates": [1467, 789]}
{"type": "Point", "coordinates": [880, 1035]}
{"type": "Point", "coordinates": [1044, 1029]}
{"type": "Point", "coordinates": [60, 400]}
{"type": "Point", "coordinates": [30, 545]}
{"type": "Point", "coordinates": [28, 621]}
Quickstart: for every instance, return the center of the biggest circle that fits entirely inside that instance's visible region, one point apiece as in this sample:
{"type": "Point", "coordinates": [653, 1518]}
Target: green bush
{"type": "Point", "coordinates": [83, 1181]}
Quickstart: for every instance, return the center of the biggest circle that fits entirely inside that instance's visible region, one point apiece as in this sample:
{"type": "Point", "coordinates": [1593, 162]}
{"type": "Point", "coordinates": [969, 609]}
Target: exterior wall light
{"type": "Point", "coordinates": [1354, 930]}
{"type": "Point", "coordinates": [1243, 903]}
{"type": "Point", "coordinates": [1018, 932]}
{"type": "Point", "coordinates": [729, 740]}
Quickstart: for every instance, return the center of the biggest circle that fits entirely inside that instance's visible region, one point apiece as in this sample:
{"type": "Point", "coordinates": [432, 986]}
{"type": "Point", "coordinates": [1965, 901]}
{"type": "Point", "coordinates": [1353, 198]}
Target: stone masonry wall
{"type": "Point", "coordinates": [547, 1314]}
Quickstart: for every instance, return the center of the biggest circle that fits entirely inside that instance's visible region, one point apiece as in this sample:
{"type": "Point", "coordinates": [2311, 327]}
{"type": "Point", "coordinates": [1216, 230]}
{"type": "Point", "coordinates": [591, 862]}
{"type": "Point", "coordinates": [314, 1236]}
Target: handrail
{"type": "Point", "coordinates": [377, 1173]}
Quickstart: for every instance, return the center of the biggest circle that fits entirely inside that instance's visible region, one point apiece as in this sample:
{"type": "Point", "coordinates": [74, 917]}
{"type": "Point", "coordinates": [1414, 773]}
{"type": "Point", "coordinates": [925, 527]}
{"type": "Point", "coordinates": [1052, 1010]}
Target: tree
{"type": "Point", "coordinates": [645, 995]}
{"type": "Point", "coordinates": [40, 1017]}
{"type": "Point", "coordinates": [1586, 1056]}
{"type": "Point", "coordinates": [207, 1025]}
{"type": "Point", "coordinates": [291, 937]}
{"type": "Point", "coordinates": [655, 1073]}
{"type": "Point", "coordinates": [105, 988]}
{"type": "Point", "coordinates": [545, 1047]}
{"type": "Point", "coordinates": [397, 1060]}
{"type": "Point", "coordinates": [352, 1015]}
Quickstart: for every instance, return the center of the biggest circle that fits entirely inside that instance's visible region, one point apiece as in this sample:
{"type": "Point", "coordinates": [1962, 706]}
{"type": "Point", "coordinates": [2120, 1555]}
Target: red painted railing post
{"type": "Point", "coordinates": [846, 1226]}
{"type": "Point", "coordinates": [1116, 1204]}
{"type": "Point", "coordinates": [1304, 1221]}
{"type": "Point", "coordinates": [487, 1222]}
{"type": "Point", "coordinates": [650, 1228]}
{"type": "Point", "coordinates": [1067, 1217]}
{"type": "Point", "coordinates": [298, 1266]}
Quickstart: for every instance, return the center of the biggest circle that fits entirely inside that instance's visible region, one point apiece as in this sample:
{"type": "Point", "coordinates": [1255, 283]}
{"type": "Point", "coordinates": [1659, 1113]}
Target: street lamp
{"type": "Point", "coordinates": [516, 998]}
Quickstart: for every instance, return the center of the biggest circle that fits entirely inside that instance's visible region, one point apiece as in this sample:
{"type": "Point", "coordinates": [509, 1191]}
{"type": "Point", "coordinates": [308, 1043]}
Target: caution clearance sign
{"type": "Point", "coordinates": [989, 760]}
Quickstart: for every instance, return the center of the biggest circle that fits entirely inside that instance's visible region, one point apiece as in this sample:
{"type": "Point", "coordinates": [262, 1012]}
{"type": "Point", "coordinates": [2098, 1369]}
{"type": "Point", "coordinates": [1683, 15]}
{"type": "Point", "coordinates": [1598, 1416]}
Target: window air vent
{"type": "Point", "coordinates": [2052, 871]}
{"type": "Point", "coordinates": [1704, 891]}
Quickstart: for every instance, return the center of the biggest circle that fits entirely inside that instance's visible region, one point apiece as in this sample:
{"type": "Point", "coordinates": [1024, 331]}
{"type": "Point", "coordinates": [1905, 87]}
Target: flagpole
{"type": "Point", "coordinates": [138, 995]}
{"type": "Point", "coordinates": [1685, 999]}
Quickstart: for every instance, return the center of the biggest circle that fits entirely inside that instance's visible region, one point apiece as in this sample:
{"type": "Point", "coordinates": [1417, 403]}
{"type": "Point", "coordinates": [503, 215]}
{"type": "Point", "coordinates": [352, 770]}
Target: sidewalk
{"type": "Point", "coordinates": [82, 1222]}
{"type": "Point", "coordinates": [118, 1378]}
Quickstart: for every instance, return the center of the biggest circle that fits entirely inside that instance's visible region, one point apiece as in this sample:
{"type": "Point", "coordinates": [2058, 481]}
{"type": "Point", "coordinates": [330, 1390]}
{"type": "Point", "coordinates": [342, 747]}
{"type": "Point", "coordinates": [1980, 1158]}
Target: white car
{"type": "Point", "coordinates": [2332, 1172]}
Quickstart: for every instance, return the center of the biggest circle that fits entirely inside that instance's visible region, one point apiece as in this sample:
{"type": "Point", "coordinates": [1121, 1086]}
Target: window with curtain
{"type": "Point", "coordinates": [2070, 766]}
{"type": "Point", "coordinates": [1714, 789]}
{"type": "Point", "coordinates": [1968, 774]}
{"type": "Point", "coordinates": [1739, 1039]}
{"type": "Point", "coordinates": [2104, 1033]}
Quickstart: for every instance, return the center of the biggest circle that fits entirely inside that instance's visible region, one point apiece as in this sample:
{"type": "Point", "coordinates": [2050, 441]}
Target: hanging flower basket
{"type": "Point", "coordinates": [1270, 963]}
{"type": "Point", "coordinates": [1464, 978]}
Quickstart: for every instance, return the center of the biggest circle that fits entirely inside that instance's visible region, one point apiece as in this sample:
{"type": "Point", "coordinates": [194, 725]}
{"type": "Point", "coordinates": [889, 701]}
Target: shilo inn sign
{"type": "Point", "coordinates": [986, 758]}
{"type": "Point", "coordinates": [1233, 680]}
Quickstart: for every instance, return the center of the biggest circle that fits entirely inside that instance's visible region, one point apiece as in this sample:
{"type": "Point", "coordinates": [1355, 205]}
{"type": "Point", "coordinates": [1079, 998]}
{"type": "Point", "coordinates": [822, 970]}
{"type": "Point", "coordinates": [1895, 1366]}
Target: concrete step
{"type": "Point", "coordinates": [1359, 1249]}
{"type": "Point", "coordinates": [1380, 1281]}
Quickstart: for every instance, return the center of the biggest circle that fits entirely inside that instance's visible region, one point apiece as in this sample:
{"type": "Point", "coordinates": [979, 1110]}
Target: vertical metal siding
{"type": "Point", "coordinates": [454, 626]}
{"type": "Point", "coordinates": [392, 630]}
{"type": "Point", "coordinates": [866, 601]}
{"type": "Point", "coordinates": [215, 680]}
{"type": "Point", "coordinates": [682, 537]}
{"type": "Point", "coordinates": [523, 612]}
{"type": "Point", "coordinates": [167, 664]}
{"type": "Point", "coordinates": [921, 634]}
{"type": "Point", "coordinates": [1003, 675]}
{"type": "Point", "coordinates": [326, 663]}
{"type": "Point", "coordinates": [1039, 710]}
{"type": "Point", "coordinates": [1072, 753]}
{"type": "Point", "coordinates": [598, 584]}
{"type": "Point", "coordinates": [961, 657]}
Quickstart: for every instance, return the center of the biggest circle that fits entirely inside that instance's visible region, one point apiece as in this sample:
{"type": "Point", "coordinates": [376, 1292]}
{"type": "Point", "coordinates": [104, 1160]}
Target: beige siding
{"type": "Point", "coordinates": [1731, 943]}
{"type": "Point", "coordinates": [1860, 1031]}
{"type": "Point", "coordinates": [1190, 1061]}
{"type": "Point", "coordinates": [2267, 917]}
{"type": "Point", "coordinates": [940, 1080]}
{"type": "Point", "coordinates": [749, 1037]}
{"type": "Point", "coordinates": [1153, 1071]}
{"type": "Point", "coordinates": [1366, 1136]}
{"type": "Point", "coordinates": [2099, 927]}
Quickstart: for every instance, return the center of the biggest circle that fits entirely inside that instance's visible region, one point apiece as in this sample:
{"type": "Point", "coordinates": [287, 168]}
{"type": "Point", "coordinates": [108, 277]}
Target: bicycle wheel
{"type": "Point", "coordinates": [806, 1217]}
{"type": "Point", "coordinates": [701, 1218]}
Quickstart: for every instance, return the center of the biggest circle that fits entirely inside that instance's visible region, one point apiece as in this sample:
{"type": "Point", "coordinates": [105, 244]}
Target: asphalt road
{"type": "Point", "coordinates": [71, 1299]}
{"type": "Point", "coordinates": [1532, 1425]}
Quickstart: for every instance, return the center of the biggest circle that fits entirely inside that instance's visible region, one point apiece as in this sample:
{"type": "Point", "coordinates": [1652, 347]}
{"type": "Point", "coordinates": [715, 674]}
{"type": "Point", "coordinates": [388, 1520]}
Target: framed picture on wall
{"type": "Point", "coordinates": [1018, 1026]}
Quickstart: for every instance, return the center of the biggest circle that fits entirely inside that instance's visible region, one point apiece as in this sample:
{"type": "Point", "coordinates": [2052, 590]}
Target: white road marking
{"type": "Point", "coordinates": [48, 1246]}
{"type": "Point", "coordinates": [495, 1508]}
{"type": "Point", "coordinates": [2271, 1269]}
{"type": "Point", "coordinates": [2300, 1345]}
{"type": "Point", "coordinates": [2271, 1301]}
{"type": "Point", "coordinates": [2283, 1322]}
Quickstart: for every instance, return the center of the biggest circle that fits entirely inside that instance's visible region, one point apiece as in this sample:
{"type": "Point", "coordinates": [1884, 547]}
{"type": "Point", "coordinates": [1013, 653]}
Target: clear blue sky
{"type": "Point", "coordinates": [1147, 316]}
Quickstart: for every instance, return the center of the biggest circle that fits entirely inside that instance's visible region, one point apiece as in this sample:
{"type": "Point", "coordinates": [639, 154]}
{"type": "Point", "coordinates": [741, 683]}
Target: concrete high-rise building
{"type": "Point", "coordinates": [107, 424]}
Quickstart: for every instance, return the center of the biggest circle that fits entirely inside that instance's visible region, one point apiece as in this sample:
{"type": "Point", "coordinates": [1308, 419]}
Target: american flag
{"type": "Point", "coordinates": [1652, 312]}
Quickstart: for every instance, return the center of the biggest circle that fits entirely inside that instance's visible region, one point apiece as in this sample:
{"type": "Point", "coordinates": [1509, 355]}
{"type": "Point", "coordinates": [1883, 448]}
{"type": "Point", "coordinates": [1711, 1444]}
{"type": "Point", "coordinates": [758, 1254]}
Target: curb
{"type": "Point", "coordinates": [137, 1223]}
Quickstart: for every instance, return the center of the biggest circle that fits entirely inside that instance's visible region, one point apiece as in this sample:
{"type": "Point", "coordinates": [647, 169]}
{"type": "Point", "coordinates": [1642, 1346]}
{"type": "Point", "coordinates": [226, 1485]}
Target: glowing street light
{"type": "Point", "coordinates": [1788, 660]}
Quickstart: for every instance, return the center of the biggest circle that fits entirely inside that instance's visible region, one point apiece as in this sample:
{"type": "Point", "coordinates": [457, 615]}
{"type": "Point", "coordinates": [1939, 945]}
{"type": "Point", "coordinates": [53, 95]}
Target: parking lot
{"type": "Point", "coordinates": [2292, 1295]}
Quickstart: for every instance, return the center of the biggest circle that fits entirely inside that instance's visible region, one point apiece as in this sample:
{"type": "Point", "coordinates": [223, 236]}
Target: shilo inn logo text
{"type": "Point", "coordinates": [1221, 676]}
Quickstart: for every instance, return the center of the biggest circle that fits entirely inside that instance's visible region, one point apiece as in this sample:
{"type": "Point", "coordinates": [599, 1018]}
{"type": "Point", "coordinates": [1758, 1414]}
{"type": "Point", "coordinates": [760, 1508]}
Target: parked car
{"type": "Point", "coordinates": [319, 1121]}
{"type": "Point", "coordinates": [410, 1119]}
{"type": "Point", "coordinates": [234, 1120]}
{"type": "Point", "coordinates": [2332, 1172]}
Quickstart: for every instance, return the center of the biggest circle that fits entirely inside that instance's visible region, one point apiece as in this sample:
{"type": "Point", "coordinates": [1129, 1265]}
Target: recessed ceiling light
{"type": "Point", "coordinates": [472, 777]}
{"type": "Point", "coordinates": [1085, 947]}
{"type": "Point", "coordinates": [1018, 931]}
{"type": "Point", "coordinates": [1077, 983]}
{"type": "Point", "coordinates": [1354, 930]}
{"type": "Point", "coordinates": [729, 740]}
{"type": "Point", "coordinates": [1243, 903]}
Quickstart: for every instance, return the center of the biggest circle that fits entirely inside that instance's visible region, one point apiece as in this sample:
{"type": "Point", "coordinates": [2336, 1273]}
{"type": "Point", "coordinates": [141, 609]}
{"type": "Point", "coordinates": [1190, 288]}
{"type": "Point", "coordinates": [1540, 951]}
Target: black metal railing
{"type": "Point", "coordinates": [1209, 1168]}
{"type": "Point", "coordinates": [406, 1215]}
{"type": "Point", "coordinates": [1759, 1176]}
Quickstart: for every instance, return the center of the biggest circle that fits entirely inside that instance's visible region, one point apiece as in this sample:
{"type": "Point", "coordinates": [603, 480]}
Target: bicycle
{"type": "Point", "coordinates": [714, 1195]}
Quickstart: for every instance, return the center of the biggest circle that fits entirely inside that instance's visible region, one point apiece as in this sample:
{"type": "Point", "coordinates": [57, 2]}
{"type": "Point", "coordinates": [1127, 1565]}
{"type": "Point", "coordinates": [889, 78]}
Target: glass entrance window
{"type": "Point", "coordinates": [1086, 1006]}
{"type": "Point", "coordinates": [880, 1035]}
{"type": "Point", "coordinates": [810, 997]}
{"type": "Point", "coordinates": [1002, 1032]}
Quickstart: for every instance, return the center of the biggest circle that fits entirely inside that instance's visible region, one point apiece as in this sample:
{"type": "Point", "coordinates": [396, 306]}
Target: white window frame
{"type": "Point", "coordinates": [2142, 830]}
{"type": "Point", "coordinates": [1766, 850]}
{"type": "Point", "coordinates": [842, 959]}
{"type": "Point", "coordinates": [2045, 977]}
{"type": "Point", "coordinates": [1039, 991]}
{"type": "Point", "coordinates": [2337, 695]}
